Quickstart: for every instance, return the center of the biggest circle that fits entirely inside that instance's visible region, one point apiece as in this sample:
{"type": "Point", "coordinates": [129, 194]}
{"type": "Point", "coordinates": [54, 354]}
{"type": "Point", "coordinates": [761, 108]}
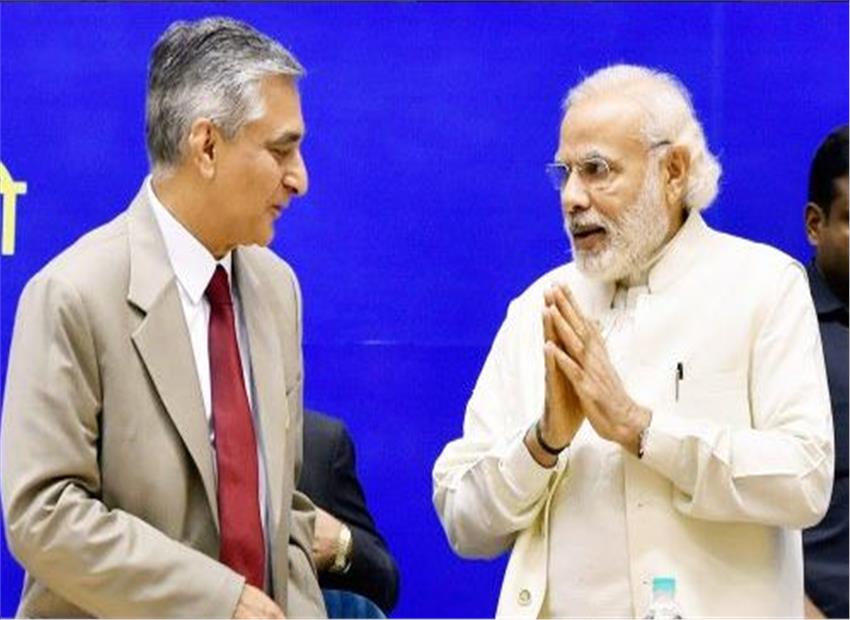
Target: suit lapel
{"type": "Point", "coordinates": [162, 340]}
{"type": "Point", "coordinates": [270, 408]}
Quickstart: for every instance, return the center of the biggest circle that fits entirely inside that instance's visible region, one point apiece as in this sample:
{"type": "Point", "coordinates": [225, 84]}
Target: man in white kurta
{"type": "Point", "coordinates": [697, 441]}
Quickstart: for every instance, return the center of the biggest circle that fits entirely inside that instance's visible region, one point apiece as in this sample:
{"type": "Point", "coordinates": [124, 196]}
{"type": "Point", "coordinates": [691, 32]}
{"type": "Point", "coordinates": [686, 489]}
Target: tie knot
{"type": "Point", "coordinates": [218, 290]}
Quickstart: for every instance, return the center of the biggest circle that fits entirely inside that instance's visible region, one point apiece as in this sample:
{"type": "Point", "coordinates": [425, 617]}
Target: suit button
{"type": "Point", "coordinates": [524, 597]}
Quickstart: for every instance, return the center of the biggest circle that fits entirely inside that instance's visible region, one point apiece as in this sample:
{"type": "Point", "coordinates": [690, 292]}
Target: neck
{"type": "Point", "coordinates": [189, 203]}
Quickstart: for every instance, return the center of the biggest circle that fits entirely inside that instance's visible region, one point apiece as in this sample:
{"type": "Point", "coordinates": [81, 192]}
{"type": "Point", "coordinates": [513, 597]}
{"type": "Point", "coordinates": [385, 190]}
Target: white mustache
{"type": "Point", "coordinates": [588, 219]}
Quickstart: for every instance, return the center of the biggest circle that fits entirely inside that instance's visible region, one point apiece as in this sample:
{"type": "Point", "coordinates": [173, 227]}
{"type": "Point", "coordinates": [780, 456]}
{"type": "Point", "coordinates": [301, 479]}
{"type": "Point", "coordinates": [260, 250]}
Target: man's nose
{"type": "Point", "coordinates": [295, 177]}
{"type": "Point", "coordinates": [574, 195]}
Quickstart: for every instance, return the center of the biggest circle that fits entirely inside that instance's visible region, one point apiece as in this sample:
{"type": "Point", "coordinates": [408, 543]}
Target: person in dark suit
{"type": "Point", "coordinates": [349, 552]}
{"type": "Point", "coordinates": [825, 545]}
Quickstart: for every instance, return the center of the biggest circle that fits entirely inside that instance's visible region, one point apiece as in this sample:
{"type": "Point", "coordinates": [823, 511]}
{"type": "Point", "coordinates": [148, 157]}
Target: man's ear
{"type": "Point", "coordinates": [676, 168]}
{"type": "Point", "coordinates": [203, 142]}
{"type": "Point", "coordinates": [815, 221]}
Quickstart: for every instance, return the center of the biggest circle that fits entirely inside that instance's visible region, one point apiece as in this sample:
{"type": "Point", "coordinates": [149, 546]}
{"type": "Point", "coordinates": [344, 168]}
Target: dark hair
{"type": "Point", "coordinates": [830, 163]}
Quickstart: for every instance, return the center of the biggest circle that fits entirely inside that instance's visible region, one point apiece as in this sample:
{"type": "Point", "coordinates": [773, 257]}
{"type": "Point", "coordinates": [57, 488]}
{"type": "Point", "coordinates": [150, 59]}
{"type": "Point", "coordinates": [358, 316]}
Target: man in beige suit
{"type": "Point", "coordinates": [152, 419]}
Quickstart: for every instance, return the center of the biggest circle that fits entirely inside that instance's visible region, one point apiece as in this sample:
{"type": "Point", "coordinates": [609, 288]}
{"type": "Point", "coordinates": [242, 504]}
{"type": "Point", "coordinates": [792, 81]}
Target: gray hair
{"type": "Point", "coordinates": [668, 115]}
{"type": "Point", "coordinates": [210, 68]}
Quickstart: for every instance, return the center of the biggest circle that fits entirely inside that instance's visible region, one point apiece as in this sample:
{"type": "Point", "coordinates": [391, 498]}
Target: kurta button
{"type": "Point", "coordinates": [524, 597]}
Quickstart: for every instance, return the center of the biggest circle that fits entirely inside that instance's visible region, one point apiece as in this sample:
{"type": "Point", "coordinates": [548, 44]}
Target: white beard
{"type": "Point", "coordinates": [632, 239]}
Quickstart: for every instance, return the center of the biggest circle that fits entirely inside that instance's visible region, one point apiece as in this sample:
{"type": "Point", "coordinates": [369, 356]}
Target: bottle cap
{"type": "Point", "coordinates": [664, 584]}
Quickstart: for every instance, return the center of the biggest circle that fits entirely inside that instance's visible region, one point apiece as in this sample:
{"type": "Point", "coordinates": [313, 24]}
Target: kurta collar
{"type": "Point", "coordinates": [675, 258]}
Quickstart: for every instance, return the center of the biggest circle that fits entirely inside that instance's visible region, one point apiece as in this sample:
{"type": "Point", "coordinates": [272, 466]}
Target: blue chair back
{"type": "Point", "coordinates": [345, 604]}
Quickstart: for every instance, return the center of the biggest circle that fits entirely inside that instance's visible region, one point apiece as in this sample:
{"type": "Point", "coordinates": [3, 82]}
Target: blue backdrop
{"type": "Point", "coordinates": [429, 125]}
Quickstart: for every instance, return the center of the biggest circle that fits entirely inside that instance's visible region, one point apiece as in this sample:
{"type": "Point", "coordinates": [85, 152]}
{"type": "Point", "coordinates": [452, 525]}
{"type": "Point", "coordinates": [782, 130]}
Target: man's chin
{"type": "Point", "coordinates": [262, 238]}
{"type": "Point", "coordinates": [599, 266]}
{"type": "Point", "coordinates": [267, 240]}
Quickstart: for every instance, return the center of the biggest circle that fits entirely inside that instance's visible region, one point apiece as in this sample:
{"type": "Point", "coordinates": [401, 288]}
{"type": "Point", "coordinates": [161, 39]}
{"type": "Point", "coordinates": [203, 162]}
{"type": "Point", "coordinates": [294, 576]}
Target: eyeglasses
{"type": "Point", "coordinates": [594, 172]}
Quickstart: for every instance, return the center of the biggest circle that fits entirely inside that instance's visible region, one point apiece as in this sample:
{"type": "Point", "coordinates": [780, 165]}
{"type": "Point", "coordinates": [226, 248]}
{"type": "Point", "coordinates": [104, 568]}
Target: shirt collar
{"type": "Point", "coordinates": [191, 261]}
{"type": "Point", "coordinates": [825, 300]}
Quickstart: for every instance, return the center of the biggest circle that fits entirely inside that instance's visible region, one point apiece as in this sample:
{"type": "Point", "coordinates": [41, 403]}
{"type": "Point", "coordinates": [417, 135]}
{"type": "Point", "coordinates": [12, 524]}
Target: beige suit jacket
{"type": "Point", "coordinates": [108, 483]}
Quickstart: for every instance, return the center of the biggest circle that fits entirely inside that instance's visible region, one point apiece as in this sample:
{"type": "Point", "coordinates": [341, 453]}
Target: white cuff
{"type": "Point", "coordinates": [662, 450]}
{"type": "Point", "coordinates": [526, 477]}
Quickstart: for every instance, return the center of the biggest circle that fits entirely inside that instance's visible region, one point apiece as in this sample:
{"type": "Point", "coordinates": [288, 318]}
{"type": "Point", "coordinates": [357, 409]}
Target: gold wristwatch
{"type": "Point", "coordinates": [344, 545]}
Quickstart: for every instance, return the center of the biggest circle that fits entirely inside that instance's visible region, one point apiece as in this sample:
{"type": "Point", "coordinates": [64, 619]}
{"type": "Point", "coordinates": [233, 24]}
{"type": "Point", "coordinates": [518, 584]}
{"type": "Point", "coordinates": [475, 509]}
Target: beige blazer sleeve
{"type": "Point", "coordinates": [303, 595]}
{"type": "Point", "coordinates": [108, 478]}
{"type": "Point", "coordinates": [106, 562]}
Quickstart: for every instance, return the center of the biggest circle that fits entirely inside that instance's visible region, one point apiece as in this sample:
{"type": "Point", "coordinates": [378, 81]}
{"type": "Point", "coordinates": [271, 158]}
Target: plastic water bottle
{"type": "Point", "coordinates": [664, 603]}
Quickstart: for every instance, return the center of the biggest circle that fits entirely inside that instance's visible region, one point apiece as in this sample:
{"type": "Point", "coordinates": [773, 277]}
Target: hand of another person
{"type": "Point", "coordinates": [325, 539]}
{"type": "Point", "coordinates": [810, 610]}
{"type": "Point", "coordinates": [562, 416]}
{"type": "Point", "coordinates": [253, 603]}
{"type": "Point", "coordinates": [584, 359]}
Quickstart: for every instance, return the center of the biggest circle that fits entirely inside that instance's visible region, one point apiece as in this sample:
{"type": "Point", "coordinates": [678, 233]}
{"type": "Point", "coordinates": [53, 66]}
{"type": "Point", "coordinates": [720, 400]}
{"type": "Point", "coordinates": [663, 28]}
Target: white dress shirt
{"type": "Point", "coordinates": [738, 456]}
{"type": "Point", "coordinates": [193, 268]}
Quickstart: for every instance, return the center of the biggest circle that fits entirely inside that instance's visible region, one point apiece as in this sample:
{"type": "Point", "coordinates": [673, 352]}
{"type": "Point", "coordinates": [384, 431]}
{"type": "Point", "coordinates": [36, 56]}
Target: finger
{"type": "Point", "coordinates": [549, 336]}
{"type": "Point", "coordinates": [567, 365]}
{"type": "Point", "coordinates": [569, 308]}
{"type": "Point", "coordinates": [566, 335]}
{"type": "Point", "coordinates": [548, 295]}
{"type": "Point", "coordinates": [549, 346]}
{"type": "Point", "coordinates": [568, 293]}
{"type": "Point", "coordinates": [272, 610]}
{"type": "Point", "coordinates": [554, 313]}
{"type": "Point", "coordinates": [576, 376]}
{"type": "Point", "coordinates": [549, 359]}
{"type": "Point", "coordinates": [548, 328]}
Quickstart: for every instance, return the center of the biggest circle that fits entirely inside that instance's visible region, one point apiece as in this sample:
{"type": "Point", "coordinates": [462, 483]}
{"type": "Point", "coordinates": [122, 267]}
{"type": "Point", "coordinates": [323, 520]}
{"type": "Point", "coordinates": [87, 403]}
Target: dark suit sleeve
{"type": "Point", "coordinates": [373, 571]}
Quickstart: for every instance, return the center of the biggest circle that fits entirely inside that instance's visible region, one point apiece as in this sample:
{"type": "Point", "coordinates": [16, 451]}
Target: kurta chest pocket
{"type": "Point", "coordinates": [719, 396]}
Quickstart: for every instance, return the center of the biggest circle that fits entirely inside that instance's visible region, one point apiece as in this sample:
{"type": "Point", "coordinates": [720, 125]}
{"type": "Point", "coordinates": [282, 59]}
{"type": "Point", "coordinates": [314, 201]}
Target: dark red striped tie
{"type": "Point", "coordinates": [242, 547]}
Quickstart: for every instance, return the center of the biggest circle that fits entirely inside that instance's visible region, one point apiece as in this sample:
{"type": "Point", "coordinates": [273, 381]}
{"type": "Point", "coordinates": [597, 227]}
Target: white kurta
{"type": "Point", "coordinates": [738, 457]}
